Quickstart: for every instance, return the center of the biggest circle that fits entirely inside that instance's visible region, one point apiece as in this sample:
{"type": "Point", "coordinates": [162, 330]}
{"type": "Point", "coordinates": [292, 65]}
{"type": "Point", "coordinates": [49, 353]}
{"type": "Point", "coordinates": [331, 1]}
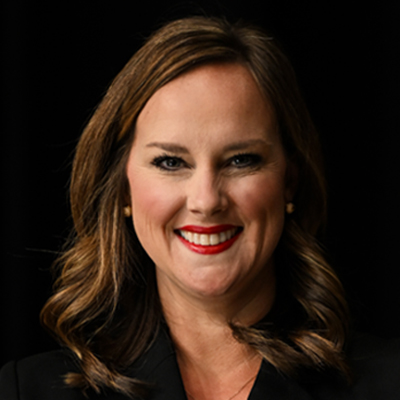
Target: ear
{"type": "Point", "coordinates": [292, 175]}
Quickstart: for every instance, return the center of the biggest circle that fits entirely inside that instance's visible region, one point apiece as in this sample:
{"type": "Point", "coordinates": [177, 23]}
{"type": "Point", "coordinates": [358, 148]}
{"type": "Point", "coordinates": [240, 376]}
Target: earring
{"type": "Point", "coordinates": [128, 211]}
{"type": "Point", "coordinates": [289, 208]}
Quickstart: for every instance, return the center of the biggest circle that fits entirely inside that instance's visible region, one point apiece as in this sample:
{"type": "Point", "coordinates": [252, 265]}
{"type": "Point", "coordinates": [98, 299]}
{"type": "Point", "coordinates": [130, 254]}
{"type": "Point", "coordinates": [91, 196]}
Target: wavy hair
{"type": "Point", "coordinates": [105, 307]}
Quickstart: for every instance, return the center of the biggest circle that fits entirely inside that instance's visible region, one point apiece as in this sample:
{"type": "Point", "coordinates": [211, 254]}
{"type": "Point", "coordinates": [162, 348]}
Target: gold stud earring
{"type": "Point", "coordinates": [290, 208]}
{"type": "Point", "coordinates": [128, 211]}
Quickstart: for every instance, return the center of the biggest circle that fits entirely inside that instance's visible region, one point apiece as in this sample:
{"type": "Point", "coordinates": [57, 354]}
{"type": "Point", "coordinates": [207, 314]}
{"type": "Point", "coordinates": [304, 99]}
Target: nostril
{"type": "Point", "coordinates": [205, 191]}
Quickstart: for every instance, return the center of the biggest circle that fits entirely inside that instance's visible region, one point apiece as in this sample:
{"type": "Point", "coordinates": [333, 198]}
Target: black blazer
{"type": "Point", "coordinates": [376, 366]}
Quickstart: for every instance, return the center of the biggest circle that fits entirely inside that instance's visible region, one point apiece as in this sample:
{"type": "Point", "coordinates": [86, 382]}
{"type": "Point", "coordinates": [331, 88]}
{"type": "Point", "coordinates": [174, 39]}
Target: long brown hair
{"type": "Point", "coordinates": [106, 307]}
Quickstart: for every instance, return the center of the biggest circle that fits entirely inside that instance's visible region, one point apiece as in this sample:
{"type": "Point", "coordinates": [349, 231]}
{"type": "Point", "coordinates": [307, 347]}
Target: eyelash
{"type": "Point", "coordinates": [158, 162]}
{"type": "Point", "coordinates": [251, 161]}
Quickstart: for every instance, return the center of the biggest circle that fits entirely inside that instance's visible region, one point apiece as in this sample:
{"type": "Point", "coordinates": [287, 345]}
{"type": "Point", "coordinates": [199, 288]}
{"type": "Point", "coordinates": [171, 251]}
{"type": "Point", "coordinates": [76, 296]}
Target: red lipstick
{"type": "Point", "coordinates": [207, 229]}
{"type": "Point", "coordinates": [210, 249]}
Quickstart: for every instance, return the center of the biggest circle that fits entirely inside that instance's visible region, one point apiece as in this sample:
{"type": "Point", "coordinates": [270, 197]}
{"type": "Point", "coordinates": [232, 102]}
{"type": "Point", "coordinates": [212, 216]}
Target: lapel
{"type": "Point", "coordinates": [159, 367]}
{"type": "Point", "coordinates": [275, 386]}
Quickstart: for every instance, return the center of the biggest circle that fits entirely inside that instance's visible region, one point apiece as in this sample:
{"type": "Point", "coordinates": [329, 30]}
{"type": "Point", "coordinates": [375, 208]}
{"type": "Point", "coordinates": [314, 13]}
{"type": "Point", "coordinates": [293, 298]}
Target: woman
{"type": "Point", "coordinates": [197, 193]}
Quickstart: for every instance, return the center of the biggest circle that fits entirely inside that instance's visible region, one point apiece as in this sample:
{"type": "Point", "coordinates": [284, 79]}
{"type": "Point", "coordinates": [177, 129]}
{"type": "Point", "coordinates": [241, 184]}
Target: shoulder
{"type": "Point", "coordinates": [366, 351]}
{"type": "Point", "coordinates": [39, 377]}
{"type": "Point", "coordinates": [42, 376]}
{"type": "Point", "coordinates": [376, 365]}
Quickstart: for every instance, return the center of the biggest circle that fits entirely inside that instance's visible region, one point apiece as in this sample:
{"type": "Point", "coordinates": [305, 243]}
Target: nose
{"type": "Point", "coordinates": [205, 194]}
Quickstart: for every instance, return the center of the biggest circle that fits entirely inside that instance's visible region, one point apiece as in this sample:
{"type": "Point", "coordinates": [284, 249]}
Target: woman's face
{"type": "Point", "coordinates": [207, 181]}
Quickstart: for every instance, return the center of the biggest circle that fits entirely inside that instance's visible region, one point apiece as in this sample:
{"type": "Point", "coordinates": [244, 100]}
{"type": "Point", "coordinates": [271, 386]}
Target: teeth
{"type": "Point", "coordinates": [214, 239]}
{"type": "Point", "coordinates": [204, 240]}
{"type": "Point", "coordinates": [208, 240]}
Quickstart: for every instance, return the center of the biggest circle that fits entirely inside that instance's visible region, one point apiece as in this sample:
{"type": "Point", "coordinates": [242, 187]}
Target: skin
{"type": "Point", "coordinates": [206, 152]}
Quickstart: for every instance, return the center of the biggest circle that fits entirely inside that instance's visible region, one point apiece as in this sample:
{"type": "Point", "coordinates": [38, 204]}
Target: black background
{"type": "Point", "coordinates": [59, 57]}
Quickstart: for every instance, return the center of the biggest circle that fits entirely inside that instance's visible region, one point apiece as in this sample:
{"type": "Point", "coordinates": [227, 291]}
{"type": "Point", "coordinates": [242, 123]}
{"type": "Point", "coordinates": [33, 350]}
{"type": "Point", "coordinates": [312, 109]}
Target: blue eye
{"type": "Point", "coordinates": [245, 160]}
{"type": "Point", "coordinates": [168, 163]}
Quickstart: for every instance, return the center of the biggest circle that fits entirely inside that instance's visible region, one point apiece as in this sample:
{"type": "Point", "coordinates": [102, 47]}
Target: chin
{"type": "Point", "coordinates": [211, 285]}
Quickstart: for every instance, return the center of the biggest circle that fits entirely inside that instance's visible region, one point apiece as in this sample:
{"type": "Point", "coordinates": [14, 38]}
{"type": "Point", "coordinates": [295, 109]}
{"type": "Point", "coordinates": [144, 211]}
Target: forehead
{"type": "Point", "coordinates": [208, 99]}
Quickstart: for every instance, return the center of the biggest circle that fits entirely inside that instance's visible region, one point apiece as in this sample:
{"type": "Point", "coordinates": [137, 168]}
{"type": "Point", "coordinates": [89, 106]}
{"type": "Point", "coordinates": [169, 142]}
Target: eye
{"type": "Point", "coordinates": [245, 160]}
{"type": "Point", "coordinates": [168, 163]}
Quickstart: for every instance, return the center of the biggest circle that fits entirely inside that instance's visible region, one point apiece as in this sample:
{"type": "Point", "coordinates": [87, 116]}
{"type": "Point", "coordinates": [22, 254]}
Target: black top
{"type": "Point", "coordinates": [376, 366]}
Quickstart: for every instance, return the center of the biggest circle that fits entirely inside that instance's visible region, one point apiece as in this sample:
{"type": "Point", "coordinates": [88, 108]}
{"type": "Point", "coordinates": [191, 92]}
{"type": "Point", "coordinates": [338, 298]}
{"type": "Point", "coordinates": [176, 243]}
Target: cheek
{"type": "Point", "coordinates": [261, 198]}
{"type": "Point", "coordinates": [153, 205]}
{"type": "Point", "coordinates": [264, 209]}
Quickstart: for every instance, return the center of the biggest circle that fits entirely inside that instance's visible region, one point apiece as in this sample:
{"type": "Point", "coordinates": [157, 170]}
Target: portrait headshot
{"type": "Point", "coordinates": [200, 201]}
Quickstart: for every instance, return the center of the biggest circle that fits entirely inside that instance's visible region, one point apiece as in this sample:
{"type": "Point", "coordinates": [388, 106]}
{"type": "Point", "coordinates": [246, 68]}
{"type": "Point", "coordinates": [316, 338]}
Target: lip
{"type": "Point", "coordinates": [207, 229]}
{"type": "Point", "coordinates": [210, 249]}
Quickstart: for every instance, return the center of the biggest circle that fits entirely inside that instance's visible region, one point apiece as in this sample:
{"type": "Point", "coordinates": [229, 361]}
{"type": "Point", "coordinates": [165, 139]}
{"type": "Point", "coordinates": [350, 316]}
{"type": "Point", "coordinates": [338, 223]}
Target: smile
{"type": "Point", "coordinates": [208, 240]}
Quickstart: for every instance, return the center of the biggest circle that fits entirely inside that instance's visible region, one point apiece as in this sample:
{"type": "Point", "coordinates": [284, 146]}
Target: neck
{"type": "Point", "coordinates": [213, 364]}
{"type": "Point", "coordinates": [199, 325]}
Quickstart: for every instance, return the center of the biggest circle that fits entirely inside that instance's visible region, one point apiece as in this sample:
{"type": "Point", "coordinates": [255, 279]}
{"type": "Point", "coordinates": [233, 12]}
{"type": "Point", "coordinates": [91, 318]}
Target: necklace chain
{"type": "Point", "coordinates": [234, 395]}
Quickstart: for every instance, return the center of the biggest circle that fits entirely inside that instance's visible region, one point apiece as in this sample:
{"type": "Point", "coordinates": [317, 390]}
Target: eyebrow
{"type": "Point", "coordinates": [175, 148]}
{"type": "Point", "coordinates": [172, 147]}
